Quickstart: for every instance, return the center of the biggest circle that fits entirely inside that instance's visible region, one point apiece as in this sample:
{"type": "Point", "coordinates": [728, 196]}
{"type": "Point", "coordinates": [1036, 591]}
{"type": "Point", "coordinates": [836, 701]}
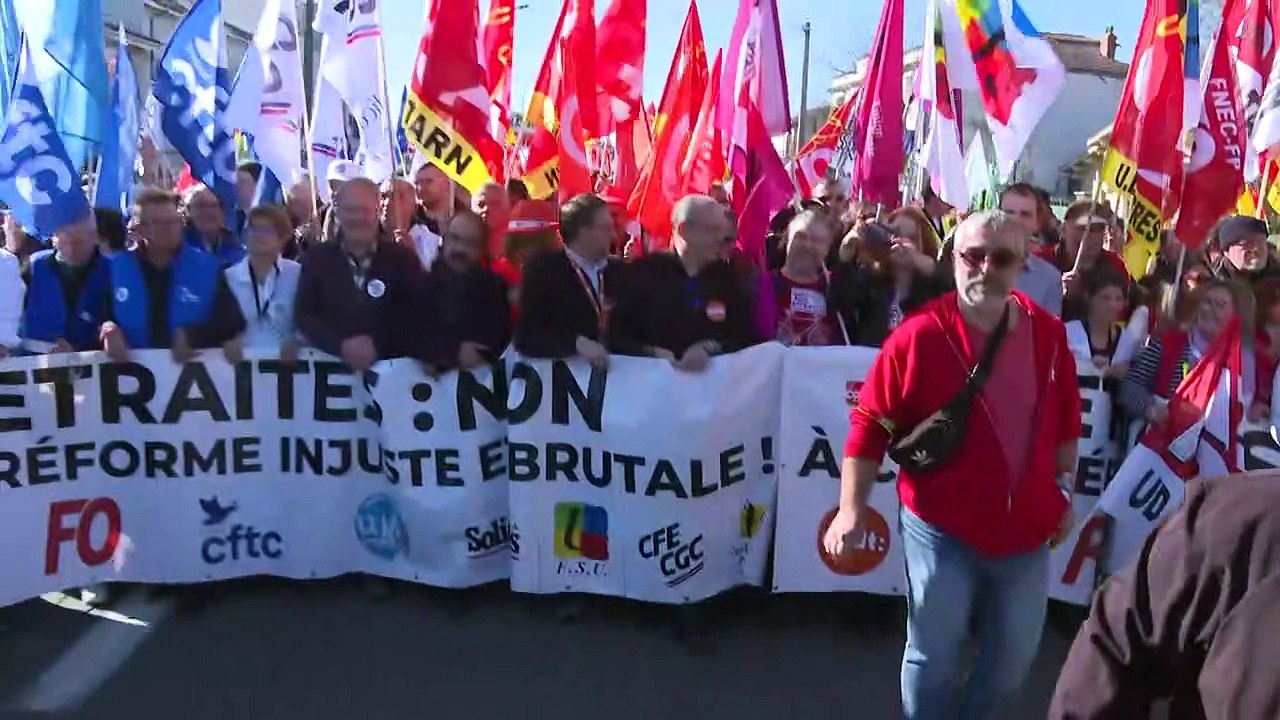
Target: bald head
{"type": "Point", "coordinates": [701, 229]}
{"type": "Point", "coordinates": [356, 205]}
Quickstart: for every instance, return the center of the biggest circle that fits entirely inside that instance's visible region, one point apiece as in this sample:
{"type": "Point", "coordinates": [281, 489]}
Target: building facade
{"type": "Point", "coordinates": [1089, 98]}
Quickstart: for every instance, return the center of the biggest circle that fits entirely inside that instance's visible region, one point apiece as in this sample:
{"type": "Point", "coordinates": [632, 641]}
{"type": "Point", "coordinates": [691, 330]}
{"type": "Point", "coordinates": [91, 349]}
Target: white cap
{"type": "Point", "coordinates": [342, 171]}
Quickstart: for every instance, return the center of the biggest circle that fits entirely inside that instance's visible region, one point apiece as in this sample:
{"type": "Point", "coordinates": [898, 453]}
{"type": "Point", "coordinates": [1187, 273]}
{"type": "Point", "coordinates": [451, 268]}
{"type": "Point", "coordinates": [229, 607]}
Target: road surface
{"type": "Point", "coordinates": [261, 649]}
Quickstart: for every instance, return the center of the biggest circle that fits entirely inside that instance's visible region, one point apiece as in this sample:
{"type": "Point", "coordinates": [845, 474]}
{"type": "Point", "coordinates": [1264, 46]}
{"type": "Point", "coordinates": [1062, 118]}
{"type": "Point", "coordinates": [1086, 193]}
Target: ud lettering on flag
{"type": "Point", "coordinates": [37, 180]}
{"type": "Point", "coordinates": [193, 87]}
{"type": "Point", "coordinates": [1197, 440]}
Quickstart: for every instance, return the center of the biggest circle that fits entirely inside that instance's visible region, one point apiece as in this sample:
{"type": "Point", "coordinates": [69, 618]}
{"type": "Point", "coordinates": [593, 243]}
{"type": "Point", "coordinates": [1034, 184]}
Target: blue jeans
{"type": "Point", "coordinates": [948, 584]}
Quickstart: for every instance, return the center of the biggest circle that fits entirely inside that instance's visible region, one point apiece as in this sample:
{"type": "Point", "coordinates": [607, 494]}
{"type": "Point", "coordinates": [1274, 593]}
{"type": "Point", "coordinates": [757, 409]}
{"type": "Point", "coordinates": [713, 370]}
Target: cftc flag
{"type": "Point", "coordinates": [37, 180]}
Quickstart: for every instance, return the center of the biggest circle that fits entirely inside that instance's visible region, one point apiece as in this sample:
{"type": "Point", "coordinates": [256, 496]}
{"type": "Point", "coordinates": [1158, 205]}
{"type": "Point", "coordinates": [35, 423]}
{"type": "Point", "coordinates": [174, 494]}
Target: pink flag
{"type": "Point", "coordinates": [769, 190]}
{"type": "Point", "coordinates": [877, 163]}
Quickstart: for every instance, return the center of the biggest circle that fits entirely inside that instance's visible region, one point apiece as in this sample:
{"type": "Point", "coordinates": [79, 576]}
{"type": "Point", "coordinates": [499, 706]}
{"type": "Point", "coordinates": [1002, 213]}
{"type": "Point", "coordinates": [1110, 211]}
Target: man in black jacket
{"type": "Point", "coordinates": [684, 305]}
{"type": "Point", "coordinates": [468, 316]}
{"type": "Point", "coordinates": [354, 292]}
{"type": "Point", "coordinates": [563, 301]}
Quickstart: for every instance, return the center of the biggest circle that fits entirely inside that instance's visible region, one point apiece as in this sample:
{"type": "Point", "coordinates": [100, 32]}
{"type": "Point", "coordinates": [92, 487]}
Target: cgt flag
{"type": "Point", "coordinates": [819, 154]}
{"type": "Point", "coordinates": [37, 179]}
{"type": "Point", "coordinates": [1144, 161]}
{"type": "Point", "coordinates": [447, 113]}
{"type": "Point", "coordinates": [1197, 440]}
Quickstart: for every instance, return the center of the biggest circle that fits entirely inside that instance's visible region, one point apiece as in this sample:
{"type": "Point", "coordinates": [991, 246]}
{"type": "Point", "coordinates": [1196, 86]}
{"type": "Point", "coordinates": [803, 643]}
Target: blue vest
{"type": "Point", "coordinates": [229, 251]}
{"type": "Point", "coordinates": [193, 280]}
{"type": "Point", "coordinates": [47, 316]}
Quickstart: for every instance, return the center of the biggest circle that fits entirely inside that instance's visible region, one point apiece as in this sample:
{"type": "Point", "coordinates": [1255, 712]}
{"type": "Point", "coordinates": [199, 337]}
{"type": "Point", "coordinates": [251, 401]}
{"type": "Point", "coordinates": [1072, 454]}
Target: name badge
{"type": "Point", "coordinates": [376, 288]}
{"type": "Point", "coordinates": [715, 311]}
{"type": "Point", "coordinates": [809, 302]}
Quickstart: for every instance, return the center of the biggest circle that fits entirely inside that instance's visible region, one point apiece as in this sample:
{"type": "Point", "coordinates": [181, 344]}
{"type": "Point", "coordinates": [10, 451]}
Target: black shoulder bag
{"type": "Point", "coordinates": [938, 437]}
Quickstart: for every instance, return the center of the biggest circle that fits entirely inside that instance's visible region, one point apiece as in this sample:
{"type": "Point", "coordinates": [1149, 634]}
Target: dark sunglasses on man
{"type": "Point", "coordinates": [1000, 258]}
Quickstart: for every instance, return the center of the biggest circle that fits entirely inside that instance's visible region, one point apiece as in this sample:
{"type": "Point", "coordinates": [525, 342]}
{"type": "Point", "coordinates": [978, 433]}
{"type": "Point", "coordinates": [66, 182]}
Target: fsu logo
{"type": "Point", "coordinates": [851, 390]}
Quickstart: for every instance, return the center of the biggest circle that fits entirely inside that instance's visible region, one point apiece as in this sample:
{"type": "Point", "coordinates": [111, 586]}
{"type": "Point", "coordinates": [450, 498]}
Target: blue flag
{"type": "Point", "coordinates": [402, 140]}
{"type": "Point", "coordinates": [193, 87]}
{"type": "Point", "coordinates": [10, 39]}
{"type": "Point", "coordinates": [120, 149]}
{"type": "Point", "coordinates": [37, 180]}
{"type": "Point", "coordinates": [65, 38]}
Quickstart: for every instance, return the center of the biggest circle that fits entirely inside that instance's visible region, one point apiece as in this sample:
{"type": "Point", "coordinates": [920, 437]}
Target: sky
{"type": "Point", "coordinates": [842, 31]}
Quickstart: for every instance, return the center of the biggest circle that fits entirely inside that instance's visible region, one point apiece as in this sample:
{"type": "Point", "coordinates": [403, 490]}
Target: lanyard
{"type": "Point", "coordinates": [258, 305]}
{"type": "Point", "coordinates": [360, 269]}
{"type": "Point", "coordinates": [597, 303]}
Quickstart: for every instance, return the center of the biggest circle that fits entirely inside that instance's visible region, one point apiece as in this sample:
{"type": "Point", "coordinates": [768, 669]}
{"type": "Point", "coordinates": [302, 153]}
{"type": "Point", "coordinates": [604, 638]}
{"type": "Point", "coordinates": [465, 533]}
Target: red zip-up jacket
{"type": "Point", "coordinates": [972, 497]}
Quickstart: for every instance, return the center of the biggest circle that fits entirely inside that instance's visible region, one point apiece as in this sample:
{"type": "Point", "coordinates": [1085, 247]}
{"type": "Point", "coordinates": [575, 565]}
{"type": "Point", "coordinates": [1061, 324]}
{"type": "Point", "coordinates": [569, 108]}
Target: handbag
{"type": "Point", "coordinates": [937, 438]}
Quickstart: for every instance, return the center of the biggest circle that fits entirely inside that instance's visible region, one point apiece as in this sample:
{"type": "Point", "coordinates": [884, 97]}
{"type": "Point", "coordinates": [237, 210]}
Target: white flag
{"type": "Point", "coordinates": [943, 157]}
{"type": "Point", "coordinates": [353, 65]}
{"type": "Point", "coordinates": [268, 98]}
{"type": "Point", "coordinates": [328, 128]}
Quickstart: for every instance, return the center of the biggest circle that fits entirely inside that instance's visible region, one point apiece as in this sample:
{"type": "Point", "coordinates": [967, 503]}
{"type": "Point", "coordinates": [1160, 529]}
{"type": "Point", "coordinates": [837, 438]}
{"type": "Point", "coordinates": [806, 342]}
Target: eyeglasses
{"type": "Point", "coordinates": [1001, 258]}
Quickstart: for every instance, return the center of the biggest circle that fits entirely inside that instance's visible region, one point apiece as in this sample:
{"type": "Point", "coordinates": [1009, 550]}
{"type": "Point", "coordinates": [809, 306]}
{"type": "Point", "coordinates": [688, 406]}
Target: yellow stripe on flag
{"type": "Point", "coordinates": [1144, 222]}
{"type": "Point", "coordinates": [443, 146]}
{"type": "Point", "coordinates": [1245, 205]}
{"type": "Point", "coordinates": [543, 181]}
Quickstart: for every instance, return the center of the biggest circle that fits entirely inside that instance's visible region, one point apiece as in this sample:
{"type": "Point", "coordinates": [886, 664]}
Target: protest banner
{"type": "Point", "coordinates": [814, 426]}
{"type": "Point", "coordinates": [643, 482]}
{"type": "Point", "coordinates": [149, 471]}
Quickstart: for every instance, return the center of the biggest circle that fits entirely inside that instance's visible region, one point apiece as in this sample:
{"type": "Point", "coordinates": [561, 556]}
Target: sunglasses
{"type": "Point", "coordinates": [1000, 258]}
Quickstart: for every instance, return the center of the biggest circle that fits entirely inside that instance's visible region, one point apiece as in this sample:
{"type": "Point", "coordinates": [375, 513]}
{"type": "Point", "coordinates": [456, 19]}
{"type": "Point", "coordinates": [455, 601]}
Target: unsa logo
{"type": "Point", "coordinates": [380, 528]}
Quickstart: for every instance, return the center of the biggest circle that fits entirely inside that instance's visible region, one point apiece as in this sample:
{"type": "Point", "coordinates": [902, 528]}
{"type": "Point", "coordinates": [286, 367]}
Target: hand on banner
{"type": "Point", "coordinates": [593, 352]}
{"type": "Point", "coordinates": [359, 352]}
{"type": "Point", "coordinates": [471, 355]}
{"type": "Point", "coordinates": [290, 349]}
{"type": "Point", "coordinates": [845, 532]}
{"type": "Point", "coordinates": [181, 350]}
{"type": "Point", "coordinates": [663, 354]}
{"type": "Point", "coordinates": [113, 342]}
{"type": "Point", "coordinates": [4, 352]}
{"type": "Point", "coordinates": [1157, 413]}
{"type": "Point", "coordinates": [61, 346]}
{"type": "Point", "coordinates": [429, 370]}
{"type": "Point", "coordinates": [233, 349]}
{"type": "Point", "coordinates": [1259, 412]}
{"type": "Point", "coordinates": [695, 359]}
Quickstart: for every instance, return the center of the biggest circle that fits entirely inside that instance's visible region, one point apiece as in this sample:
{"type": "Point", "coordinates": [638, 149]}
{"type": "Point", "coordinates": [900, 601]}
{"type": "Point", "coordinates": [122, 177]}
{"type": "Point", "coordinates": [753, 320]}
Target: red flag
{"type": "Point", "coordinates": [815, 157]}
{"type": "Point", "coordinates": [620, 58]}
{"type": "Point", "coordinates": [542, 176]}
{"type": "Point", "coordinates": [660, 184]}
{"type": "Point", "coordinates": [1251, 27]}
{"type": "Point", "coordinates": [185, 181]}
{"type": "Point", "coordinates": [578, 51]}
{"type": "Point", "coordinates": [877, 164]}
{"type": "Point", "coordinates": [1144, 161]}
{"type": "Point", "coordinates": [498, 37]}
{"type": "Point", "coordinates": [1216, 172]}
{"type": "Point", "coordinates": [704, 161]}
{"type": "Point", "coordinates": [1198, 439]}
{"type": "Point", "coordinates": [769, 190]}
{"type": "Point", "coordinates": [446, 112]}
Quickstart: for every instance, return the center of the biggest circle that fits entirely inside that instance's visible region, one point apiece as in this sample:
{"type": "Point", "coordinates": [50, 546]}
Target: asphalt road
{"type": "Point", "coordinates": [262, 649]}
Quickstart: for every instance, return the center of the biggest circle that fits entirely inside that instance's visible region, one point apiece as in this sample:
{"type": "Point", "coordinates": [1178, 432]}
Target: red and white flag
{"type": "Point", "coordinates": [1197, 440]}
{"type": "Point", "coordinates": [821, 152]}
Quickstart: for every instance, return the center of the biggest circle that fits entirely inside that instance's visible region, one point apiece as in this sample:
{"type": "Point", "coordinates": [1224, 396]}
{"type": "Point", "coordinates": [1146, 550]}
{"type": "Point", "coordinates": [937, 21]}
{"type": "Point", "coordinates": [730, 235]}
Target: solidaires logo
{"type": "Point", "coordinates": [582, 532]}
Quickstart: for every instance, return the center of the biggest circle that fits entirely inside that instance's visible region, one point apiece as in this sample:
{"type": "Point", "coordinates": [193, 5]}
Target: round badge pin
{"type": "Point", "coordinates": [715, 311]}
{"type": "Point", "coordinates": [376, 288]}
{"type": "Point", "coordinates": [122, 294]}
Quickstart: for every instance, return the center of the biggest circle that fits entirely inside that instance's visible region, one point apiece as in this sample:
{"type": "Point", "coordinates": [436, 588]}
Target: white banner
{"type": "Point", "coordinates": [153, 472]}
{"type": "Point", "coordinates": [814, 427]}
{"type": "Point", "coordinates": [643, 482]}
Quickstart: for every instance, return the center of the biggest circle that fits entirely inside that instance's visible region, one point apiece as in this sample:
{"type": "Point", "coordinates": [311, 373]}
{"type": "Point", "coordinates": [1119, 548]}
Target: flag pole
{"type": "Point", "coordinates": [386, 101]}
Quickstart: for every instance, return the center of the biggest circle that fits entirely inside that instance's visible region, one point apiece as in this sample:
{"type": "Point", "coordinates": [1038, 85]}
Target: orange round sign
{"type": "Point", "coordinates": [866, 556]}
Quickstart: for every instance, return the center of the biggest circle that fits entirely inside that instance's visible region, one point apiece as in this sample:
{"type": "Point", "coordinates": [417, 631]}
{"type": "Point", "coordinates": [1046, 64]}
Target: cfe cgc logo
{"type": "Point", "coordinates": [678, 560]}
{"type": "Point", "coordinates": [380, 528]}
{"type": "Point", "coordinates": [582, 539]}
{"type": "Point", "coordinates": [498, 536]}
{"type": "Point", "coordinates": [237, 541]}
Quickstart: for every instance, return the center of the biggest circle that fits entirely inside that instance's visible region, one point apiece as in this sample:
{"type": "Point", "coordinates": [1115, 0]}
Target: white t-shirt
{"type": "Point", "coordinates": [426, 243]}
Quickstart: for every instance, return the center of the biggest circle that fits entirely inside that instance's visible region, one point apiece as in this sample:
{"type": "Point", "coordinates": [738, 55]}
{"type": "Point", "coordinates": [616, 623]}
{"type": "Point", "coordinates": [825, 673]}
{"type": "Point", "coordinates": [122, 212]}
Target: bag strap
{"type": "Point", "coordinates": [983, 368]}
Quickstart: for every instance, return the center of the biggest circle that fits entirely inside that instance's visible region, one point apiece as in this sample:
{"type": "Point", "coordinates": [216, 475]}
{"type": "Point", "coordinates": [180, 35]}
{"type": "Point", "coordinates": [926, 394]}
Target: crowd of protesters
{"type": "Point", "coordinates": [417, 268]}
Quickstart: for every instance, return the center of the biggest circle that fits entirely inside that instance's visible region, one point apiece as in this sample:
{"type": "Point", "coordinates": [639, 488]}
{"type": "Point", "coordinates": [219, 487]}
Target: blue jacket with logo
{"type": "Point", "coordinates": [47, 316]}
{"type": "Point", "coordinates": [194, 278]}
{"type": "Point", "coordinates": [229, 250]}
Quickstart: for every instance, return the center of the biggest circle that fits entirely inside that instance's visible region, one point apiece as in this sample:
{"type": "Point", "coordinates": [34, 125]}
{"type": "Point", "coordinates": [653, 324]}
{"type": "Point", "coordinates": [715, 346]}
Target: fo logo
{"type": "Point", "coordinates": [582, 532]}
{"type": "Point", "coordinates": [851, 390]}
{"type": "Point", "coordinates": [380, 528]}
{"type": "Point", "coordinates": [866, 555]}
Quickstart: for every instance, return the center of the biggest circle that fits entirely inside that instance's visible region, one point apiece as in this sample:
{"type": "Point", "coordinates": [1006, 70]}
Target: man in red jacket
{"type": "Point", "coordinates": [976, 531]}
